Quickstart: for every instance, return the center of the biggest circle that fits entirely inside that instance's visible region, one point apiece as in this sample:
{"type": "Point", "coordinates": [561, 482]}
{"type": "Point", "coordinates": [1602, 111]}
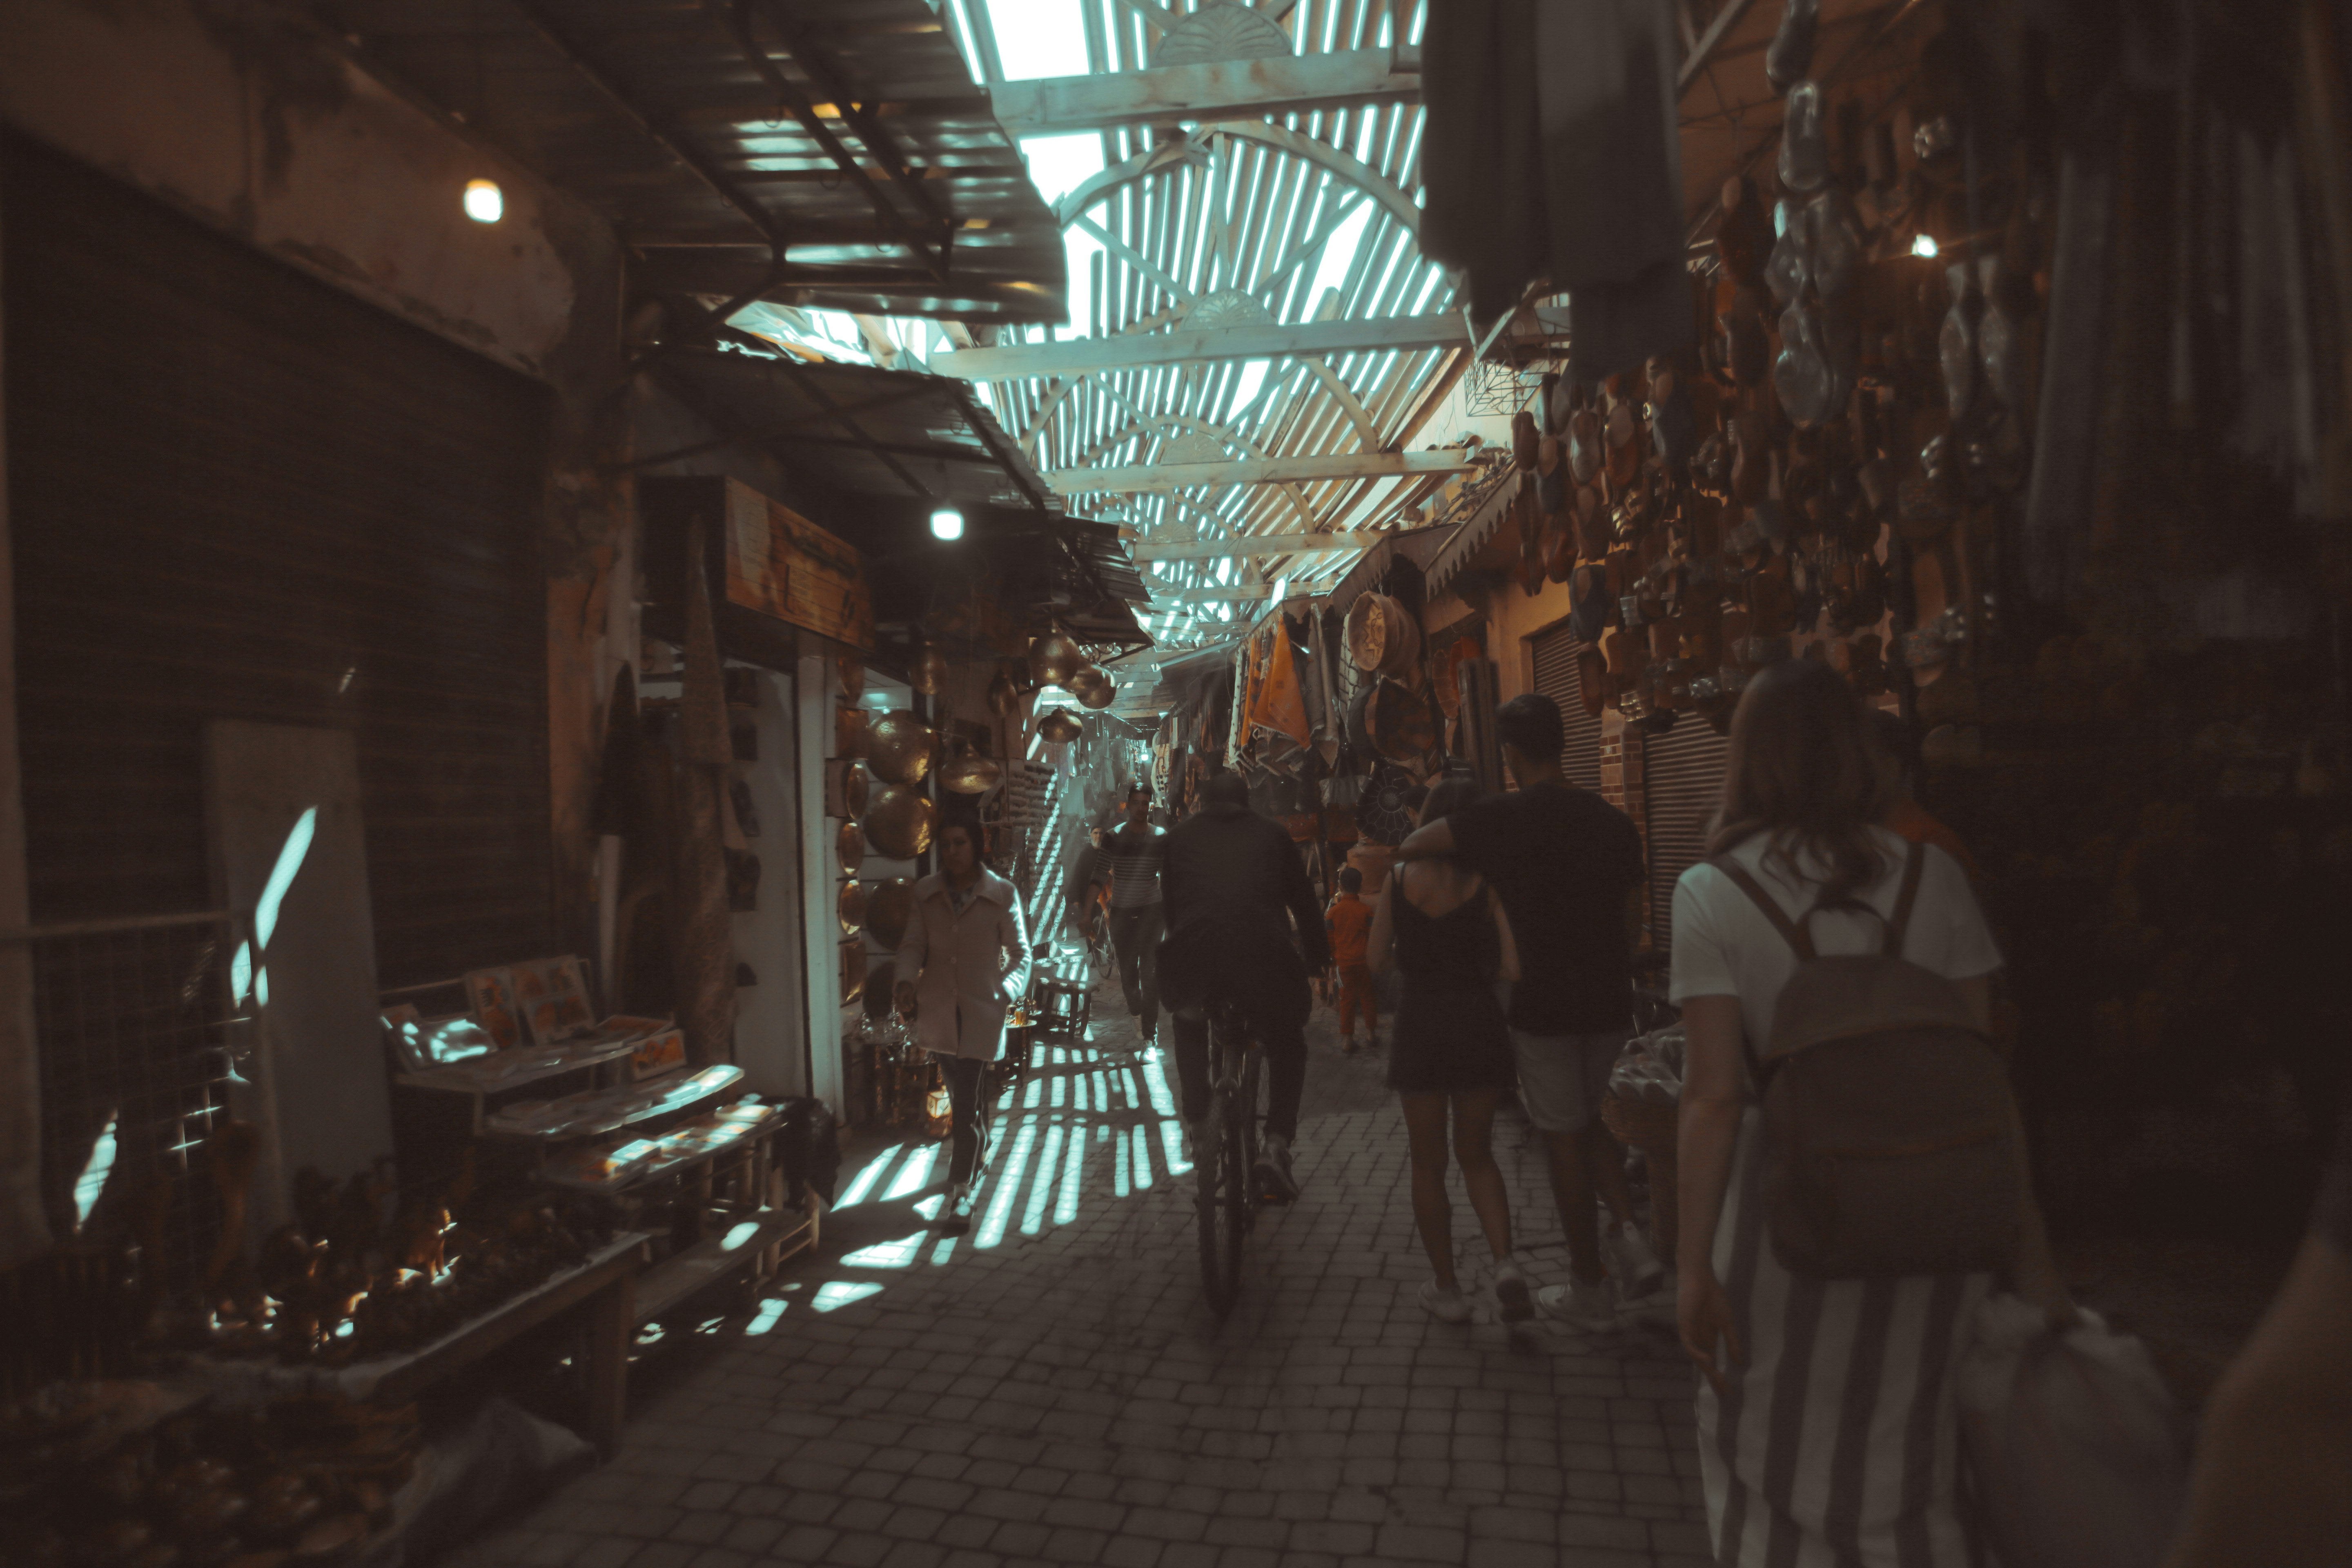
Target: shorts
{"type": "Point", "coordinates": [1563, 1077]}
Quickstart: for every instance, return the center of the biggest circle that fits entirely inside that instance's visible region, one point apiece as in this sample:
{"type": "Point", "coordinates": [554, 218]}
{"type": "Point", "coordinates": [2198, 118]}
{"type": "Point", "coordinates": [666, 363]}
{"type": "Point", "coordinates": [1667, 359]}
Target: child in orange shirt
{"type": "Point", "coordinates": [1350, 922]}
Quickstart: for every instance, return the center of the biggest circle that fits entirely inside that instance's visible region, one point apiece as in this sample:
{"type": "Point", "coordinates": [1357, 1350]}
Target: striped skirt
{"type": "Point", "coordinates": [1838, 1445]}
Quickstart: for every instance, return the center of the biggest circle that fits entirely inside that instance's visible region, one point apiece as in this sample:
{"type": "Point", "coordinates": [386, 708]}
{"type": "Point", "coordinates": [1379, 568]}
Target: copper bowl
{"type": "Point", "coordinates": [969, 773]}
{"type": "Point", "coordinates": [1053, 659]}
{"type": "Point", "coordinates": [899, 824]}
{"type": "Point", "coordinates": [1059, 727]}
{"type": "Point", "coordinates": [900, 747]}
{"type": "Point", "coordinates": [851, 844]}
{"type": "Point", "coordinates": [929, 672]}
{"type": "Point", "coordinates": [851, 906]}
{"type": "Point", "coordinates": [845, 787]}
{"type": "Point", "coordinates": [853, 971]}
{"type": "Point", "coordinates": [851, 731]}
{"type": "Point", "coordinates": [888, 906]}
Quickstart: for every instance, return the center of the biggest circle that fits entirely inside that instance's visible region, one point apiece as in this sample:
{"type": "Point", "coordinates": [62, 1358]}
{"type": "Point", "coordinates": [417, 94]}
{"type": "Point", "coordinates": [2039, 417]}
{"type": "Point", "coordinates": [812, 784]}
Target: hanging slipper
{"type": "Point", "coordinates": [1594, 532]}
{"type": "Point", "coordinates": [1998, 351]}
{"type": "Point", "coordinates": [1790, 267]}
{"type": "Point", "coordinates": [1835, 242]}
{"type": "Point", "coordinates": [1802, 375]}
{"type": "Point", "coordinates": [1956, 342]}
{"type": "Point", "coordinates": [1524, 439]}
{"type": "Point", "coordinates": [1804, 140]}
{"type": "Point", "coordinates": [1790, 58]}
{"type": "Point", "coordinates": [1584, 438]}
{"type": "Point", "coordinates": [1623, 455]}
{"type": "Point", "coordinates": [1551, 477]}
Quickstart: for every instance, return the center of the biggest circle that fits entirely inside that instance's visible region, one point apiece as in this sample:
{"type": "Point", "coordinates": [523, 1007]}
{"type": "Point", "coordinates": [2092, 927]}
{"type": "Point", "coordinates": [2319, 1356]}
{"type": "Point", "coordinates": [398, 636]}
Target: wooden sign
{"type": "Point", "coordinates": [781, 564]}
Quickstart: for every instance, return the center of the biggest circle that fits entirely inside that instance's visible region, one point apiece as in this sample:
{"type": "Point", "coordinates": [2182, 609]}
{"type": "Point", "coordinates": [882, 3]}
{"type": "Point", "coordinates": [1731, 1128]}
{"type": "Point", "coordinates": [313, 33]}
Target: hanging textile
{"type": "Point", "coordinates": [1552, 152]}
{"type": "Point", "coordinates": [1281, 703]}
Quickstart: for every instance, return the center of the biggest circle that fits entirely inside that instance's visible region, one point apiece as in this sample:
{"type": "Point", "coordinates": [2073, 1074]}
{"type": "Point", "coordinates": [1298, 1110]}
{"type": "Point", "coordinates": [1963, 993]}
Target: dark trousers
{"type": "Point", "coordinates": [1285, 1069]}
{"type": "Point", "coordinates": [1135, 937]}
{"type": "Point", "coordinates": [969, 1107]}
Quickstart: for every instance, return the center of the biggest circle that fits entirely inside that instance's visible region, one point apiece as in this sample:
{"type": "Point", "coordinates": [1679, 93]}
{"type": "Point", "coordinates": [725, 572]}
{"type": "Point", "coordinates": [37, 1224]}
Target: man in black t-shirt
{"type": "Point", "coordinates": [1566, 864]}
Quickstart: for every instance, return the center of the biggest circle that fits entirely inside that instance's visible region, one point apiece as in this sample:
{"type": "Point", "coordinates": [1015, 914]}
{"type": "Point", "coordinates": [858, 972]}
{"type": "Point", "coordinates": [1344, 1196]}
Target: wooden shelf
{"type": "Point", "coordinates": [722, 1256]}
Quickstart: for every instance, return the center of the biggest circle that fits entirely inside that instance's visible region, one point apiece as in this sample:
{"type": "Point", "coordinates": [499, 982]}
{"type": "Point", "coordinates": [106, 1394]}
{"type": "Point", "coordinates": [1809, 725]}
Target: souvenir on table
{"type": "Point", "coordinates": [492, 994]}
{"type": "Point", "coordinates": [424, 1043]}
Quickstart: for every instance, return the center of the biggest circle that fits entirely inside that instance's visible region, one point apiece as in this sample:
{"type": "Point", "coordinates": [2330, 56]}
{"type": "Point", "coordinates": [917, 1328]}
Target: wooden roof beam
{"type": "Point", "coordinates": [1139, 350]}
{"type": "Point", "coordinates": [1156, 478]}
{"type": "Point", "coordinates": [1218, 89]}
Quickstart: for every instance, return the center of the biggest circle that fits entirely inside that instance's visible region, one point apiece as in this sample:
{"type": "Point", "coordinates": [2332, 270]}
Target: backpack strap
{"type": "Point", "coordinates": [1796, 935]}
{"type": "Point", "coordinates": [1914, 862]}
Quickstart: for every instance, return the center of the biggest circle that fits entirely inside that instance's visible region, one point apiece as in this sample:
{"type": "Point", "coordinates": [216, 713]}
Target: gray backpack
{"type": "Point", "coordinates": [1889, 1142]}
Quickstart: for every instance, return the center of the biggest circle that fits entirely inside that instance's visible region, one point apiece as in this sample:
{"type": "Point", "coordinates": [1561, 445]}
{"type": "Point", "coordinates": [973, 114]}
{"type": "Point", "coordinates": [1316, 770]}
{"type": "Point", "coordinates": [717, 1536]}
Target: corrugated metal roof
{"type": "Point", "coordinates": [849, 132]}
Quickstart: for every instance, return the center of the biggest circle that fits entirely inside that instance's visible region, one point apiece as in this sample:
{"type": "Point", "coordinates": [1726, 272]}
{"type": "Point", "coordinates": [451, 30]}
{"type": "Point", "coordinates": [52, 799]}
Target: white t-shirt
{"type": "Point", "coordinates": [1724, 945]}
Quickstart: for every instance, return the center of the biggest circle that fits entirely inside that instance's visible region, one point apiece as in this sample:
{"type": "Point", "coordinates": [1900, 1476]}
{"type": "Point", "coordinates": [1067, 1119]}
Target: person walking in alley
{"type": "Point", "coordinates": [963, 961]}
{"type": "Point", "coordinates": [1349, 923]}
{"type": "Point", "coordinates": [1443, 927]}
{"type": "Point", "coordinates": [1828, 1426]}
{"type": "Point", "coordinates": [1566, 864]}
{"type": "Point", "coordinates": [1129, 860]}
{"type": "Point", "coordinates": [1240, 911]}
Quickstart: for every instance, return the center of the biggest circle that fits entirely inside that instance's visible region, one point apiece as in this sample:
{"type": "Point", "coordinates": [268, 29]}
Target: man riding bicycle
{"type": "Point", "coordinates": [1243, 927]}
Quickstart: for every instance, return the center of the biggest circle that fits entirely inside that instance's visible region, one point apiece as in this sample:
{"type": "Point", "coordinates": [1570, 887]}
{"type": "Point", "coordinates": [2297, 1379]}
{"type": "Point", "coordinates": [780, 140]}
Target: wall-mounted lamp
{"type": "Point", "coordinates": [485, 203]}
{"type": "Point", "coordinates": [947, 524]}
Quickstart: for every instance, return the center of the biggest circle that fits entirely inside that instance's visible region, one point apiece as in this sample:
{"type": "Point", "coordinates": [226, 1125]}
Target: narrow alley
{"type": "Point", "coordinates": [1051, 1389]}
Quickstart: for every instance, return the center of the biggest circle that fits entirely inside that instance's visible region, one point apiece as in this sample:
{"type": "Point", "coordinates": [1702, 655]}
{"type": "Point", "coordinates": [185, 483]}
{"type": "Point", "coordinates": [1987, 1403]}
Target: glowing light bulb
{"type": "Point", "coordinates": [485, 203]}
{"type": "Point", "coordinates": [1924, 245]}
{"type": "Point", "coordinates": [947, 524]}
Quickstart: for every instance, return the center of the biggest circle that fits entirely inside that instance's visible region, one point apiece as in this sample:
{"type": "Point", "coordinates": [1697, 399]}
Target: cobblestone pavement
{"type": "Point", "coordinates": [1051, 1389]}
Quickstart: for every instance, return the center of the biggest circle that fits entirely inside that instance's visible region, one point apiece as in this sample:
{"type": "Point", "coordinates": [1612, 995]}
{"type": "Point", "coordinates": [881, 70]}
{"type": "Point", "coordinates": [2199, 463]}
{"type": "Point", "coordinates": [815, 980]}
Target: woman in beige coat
{"type": "Point", "coordinates": [964, 960]}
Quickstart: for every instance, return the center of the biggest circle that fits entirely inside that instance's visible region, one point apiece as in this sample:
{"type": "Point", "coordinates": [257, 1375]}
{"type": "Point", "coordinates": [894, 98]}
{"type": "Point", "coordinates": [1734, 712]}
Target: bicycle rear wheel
{"type": "Point", "coordinates": [1212, 1170]}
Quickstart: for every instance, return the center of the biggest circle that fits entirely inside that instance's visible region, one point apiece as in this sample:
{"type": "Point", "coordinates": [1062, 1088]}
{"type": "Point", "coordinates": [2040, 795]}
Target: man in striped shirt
{"type": "Point", "coordinates": [1129, 860]}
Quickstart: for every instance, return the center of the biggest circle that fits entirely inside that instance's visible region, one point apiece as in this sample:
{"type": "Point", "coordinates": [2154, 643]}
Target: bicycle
{"type": "Point", "coordinates": [1224, 1164]}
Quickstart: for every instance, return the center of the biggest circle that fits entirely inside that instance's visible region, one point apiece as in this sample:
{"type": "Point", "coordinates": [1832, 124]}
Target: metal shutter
{"type": "Point", "coordinates": [1682, 772]}
{"type": "Point", "coordinates": [1580, 756]}
{"type": "Point", "coordinates": [236, 492]}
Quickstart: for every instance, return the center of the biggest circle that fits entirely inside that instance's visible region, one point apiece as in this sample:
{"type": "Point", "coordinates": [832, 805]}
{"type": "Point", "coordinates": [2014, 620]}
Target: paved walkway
{"type": "Point", "coordinates": [1050, 1388]}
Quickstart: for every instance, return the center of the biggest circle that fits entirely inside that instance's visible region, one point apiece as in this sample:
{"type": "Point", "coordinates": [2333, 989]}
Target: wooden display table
{"type": "Point", "coordinates": [603, 1288]}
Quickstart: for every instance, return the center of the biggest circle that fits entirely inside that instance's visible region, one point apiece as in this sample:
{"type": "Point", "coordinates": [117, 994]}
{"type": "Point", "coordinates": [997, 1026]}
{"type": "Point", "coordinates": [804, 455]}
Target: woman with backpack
{"type": "Point", "coordinates": [1852, 1170]}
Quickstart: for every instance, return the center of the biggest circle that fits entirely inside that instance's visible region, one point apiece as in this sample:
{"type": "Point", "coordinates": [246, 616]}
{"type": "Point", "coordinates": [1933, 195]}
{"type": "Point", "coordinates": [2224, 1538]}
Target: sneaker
{"type": "Point", "coordinates": [960, 1207]}
{"type": "Point", "coordinates": [1586, 1306]}
{"type": "Point", "coordinates": [1511, 1294]}
{"type": "Point", "coordinates": [1638, 1272]}
{"type": "Point", "coordinates": [1272, 1173]}
{"type": "Point", "coordinates": [1446, 1306]}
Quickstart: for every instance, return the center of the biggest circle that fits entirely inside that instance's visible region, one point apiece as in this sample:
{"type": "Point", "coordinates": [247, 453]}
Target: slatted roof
{"type": "Point", "coordinates": [833, 153]}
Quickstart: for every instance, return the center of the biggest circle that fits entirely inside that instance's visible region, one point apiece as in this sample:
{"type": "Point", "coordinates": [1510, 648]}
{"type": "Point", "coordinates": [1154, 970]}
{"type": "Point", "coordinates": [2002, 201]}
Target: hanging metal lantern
{"type": "Point", "coordinates": [888, 906]}
{"type": "Point", "coordinates": [928, 672]}
{"type": "Point", "coordinates": [900, 747]}
{"type": "Point", "coordinates": [899, 824]}
{"type": "Point", "coordinates": [1004, 697]}
{"type": "Point", "coordinates": [1098, 694]}
{"type": "Point", "coordinates": [1053, 659]}
{"type": "Point", "coordinates": [1059, 727]}
{"type": "Point", "coordinates": [1084, 680]}
{"type": "Point", "coordinates": [969, 773]}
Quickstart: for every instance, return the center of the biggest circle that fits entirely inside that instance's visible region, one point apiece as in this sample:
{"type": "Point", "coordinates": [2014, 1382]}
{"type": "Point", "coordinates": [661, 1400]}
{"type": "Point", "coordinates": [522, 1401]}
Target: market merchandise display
{"type": "Point", "coordinates": [312, 1481]}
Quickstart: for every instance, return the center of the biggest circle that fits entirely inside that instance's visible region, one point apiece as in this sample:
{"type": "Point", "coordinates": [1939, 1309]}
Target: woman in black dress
{"type": "Point", "coordinates": [1444, 929]}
